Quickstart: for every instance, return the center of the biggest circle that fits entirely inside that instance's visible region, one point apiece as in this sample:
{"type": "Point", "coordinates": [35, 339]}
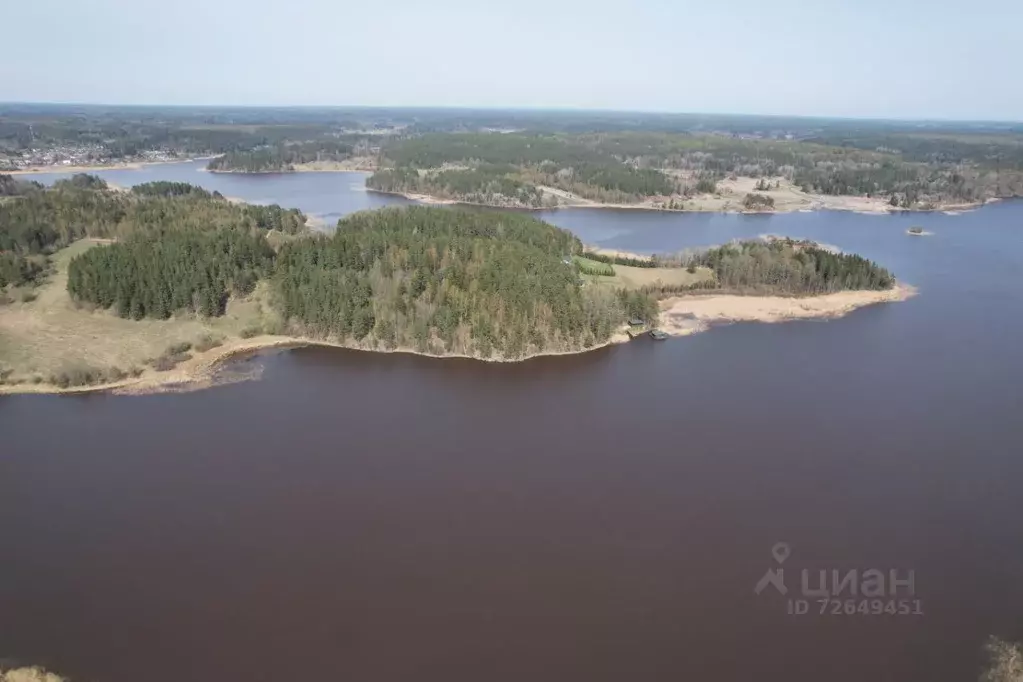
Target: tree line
{"type": "Point", "coordinates": [910, 169]}
{"type": "Point", "coordinates": [281, 157]}
{"type": "Point", "coordinates": [157, 273]}
{"type": "Point", "coordinates": [37, 221]}
{"type": "Point", "coordinates": [789, 267]}
{"type": "Point", "coordinates": [491, 184]}
{"type": "Point", "coordinates": [616, 259]}
{"type": "Point", "coordinates": [45, 220]}
{"type": "Point", "coordinates": [444, 281]}
{"type": "Point", "coordinates": [494, 167]}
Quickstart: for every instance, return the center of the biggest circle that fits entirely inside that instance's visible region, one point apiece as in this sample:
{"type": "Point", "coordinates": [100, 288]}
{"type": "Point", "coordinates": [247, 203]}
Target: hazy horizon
{"type": "Point", "coordinates": [894, 60]}
{"type": "Point", "coordinates": [511, 108]}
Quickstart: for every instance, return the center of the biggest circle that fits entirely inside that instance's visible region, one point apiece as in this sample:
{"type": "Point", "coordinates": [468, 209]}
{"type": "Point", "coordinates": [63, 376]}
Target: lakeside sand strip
{"type": "Point", "coordinates": [788, 198]}
{"type": "Point", "coordinates": [200, 370]}
{"type": "Point", "coordinates": [359, 165]}
{"type": "Point", "coordinates": [684, 315]}
{"type": "Point", "coordinates": [127, 165]}
{"type": "Point", "coordinates": [680, 316]}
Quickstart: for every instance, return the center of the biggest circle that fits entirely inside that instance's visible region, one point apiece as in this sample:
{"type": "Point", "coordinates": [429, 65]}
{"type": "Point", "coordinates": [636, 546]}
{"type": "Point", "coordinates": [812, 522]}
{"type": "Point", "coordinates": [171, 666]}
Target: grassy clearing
{"type": "Point", "coordinates": [629, 277]}
{"type": "Point", "coordinates": [49, 339]}
{"type": "Point", "coordinates": [588, 266]}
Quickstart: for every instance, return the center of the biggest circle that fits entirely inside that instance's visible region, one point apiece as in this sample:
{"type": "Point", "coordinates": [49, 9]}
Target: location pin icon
{"type": "Point", "coordinates": [781, 552]}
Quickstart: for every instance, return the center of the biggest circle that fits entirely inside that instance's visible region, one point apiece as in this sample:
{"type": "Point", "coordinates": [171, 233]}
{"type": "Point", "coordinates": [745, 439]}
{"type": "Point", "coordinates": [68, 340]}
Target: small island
{"type": "Point", "coordinates": [157, 286]}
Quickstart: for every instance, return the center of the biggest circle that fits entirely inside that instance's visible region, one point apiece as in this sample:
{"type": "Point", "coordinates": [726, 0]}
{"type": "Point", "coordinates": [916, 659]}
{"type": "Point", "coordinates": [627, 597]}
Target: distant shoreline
{"type": "Point", "coordinates": [200, 370]}
{"type": "Point", "coordinates": [851, 203]}
{"type": "Point", "coordinates": [363, 171]}
{"type": "Point", "coordinates": [839, 204]}
{"type": "Point", "coordinates": [353, 165]}
{"type": "Point", "coordinates": [120, 165]}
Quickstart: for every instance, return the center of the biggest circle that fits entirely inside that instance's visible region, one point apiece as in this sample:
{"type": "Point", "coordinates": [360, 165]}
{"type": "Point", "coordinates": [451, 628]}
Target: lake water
{"type": "Point", "coordinates": [597, 517]}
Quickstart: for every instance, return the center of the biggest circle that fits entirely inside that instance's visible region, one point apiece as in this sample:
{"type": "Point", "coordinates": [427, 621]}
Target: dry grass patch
{"type": "Point", "coordinates": [52, 337]}
{"type": "Point", "coordinates": [1004, 661]}
{"type": "Point", "coordinates": [29, 675]}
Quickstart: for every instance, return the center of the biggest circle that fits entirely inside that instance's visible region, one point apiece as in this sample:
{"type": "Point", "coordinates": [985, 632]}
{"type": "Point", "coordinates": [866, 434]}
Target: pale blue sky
{"type": "Point", "coordinates": [876, 58]}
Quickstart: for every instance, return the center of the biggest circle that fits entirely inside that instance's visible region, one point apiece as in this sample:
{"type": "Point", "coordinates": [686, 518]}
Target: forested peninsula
{"type": "Point", "coordinates": [153, 286]}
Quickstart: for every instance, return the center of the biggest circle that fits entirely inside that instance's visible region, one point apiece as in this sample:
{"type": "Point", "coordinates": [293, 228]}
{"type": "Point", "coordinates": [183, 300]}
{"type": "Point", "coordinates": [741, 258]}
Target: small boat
{"type": "Point", "coordinates": [658, 335]}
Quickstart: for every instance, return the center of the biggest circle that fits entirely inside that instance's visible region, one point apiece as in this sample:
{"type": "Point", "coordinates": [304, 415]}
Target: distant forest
{"type": "Point", "coordinates": [628, 167]}
{"type": "Point", "coordinates": [489, 184]}
{"type": "Point", "coordinates": [509, 168]}
{"type": "Point", "coordinates": [35, 222]}
{"type": "Point", "coordinates": [282, 157]}
{"type": "Point", "coordinates": [505, 157]}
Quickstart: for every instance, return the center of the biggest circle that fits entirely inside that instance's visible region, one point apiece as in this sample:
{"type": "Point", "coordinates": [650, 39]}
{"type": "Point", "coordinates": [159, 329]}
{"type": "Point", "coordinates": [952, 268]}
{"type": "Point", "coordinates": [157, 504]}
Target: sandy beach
{"type": "Point", "coordinates": [684, 315]}
{"type": "Point", "coordinates": [200, 370]}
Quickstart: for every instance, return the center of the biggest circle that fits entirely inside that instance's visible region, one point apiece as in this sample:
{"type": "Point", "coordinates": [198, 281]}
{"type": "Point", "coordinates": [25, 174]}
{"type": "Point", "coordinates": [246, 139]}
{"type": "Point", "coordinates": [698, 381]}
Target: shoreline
{"type": "Point", "coordinates": [680, 316]}
{"type": "Point", "coordinates": [822, 205]}
{"type": "Point", "coordinates": [121, 165]}
{"type": "Point", "coordinates": [199, 371]}
{"type": "Point", "coordinates": [363, 171]}
{"type": "Point", "coordinates": [356, 164]}
{"type": "Point", "coordinates": [850, 203]}
{"type": "Point", "coordinates": [690, 314]}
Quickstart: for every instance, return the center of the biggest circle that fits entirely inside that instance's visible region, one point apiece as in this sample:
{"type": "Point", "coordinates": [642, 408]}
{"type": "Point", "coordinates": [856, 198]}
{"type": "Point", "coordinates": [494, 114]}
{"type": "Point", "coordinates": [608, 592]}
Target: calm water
{"type": "Point", "coordinates": [600, 517]}
{"type": "Point", "coordinates": [324, 195]}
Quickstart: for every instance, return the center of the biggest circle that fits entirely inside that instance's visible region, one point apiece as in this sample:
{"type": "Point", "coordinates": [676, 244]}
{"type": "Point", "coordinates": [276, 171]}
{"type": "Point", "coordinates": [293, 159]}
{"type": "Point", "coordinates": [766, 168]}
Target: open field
{"type": "Point", "coordinates": [356, 163]}
{"type": "Point", "coordinates": [49, 335]}
{"type": "Point", "coordinates": [631, 277]}
{"type": "Point", "coordinates": [588, 266]}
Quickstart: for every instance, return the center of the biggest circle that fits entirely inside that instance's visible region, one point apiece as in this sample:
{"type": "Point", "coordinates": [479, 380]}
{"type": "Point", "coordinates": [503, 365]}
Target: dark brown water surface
{"type": "Point", "coordinates": [602, 517]}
